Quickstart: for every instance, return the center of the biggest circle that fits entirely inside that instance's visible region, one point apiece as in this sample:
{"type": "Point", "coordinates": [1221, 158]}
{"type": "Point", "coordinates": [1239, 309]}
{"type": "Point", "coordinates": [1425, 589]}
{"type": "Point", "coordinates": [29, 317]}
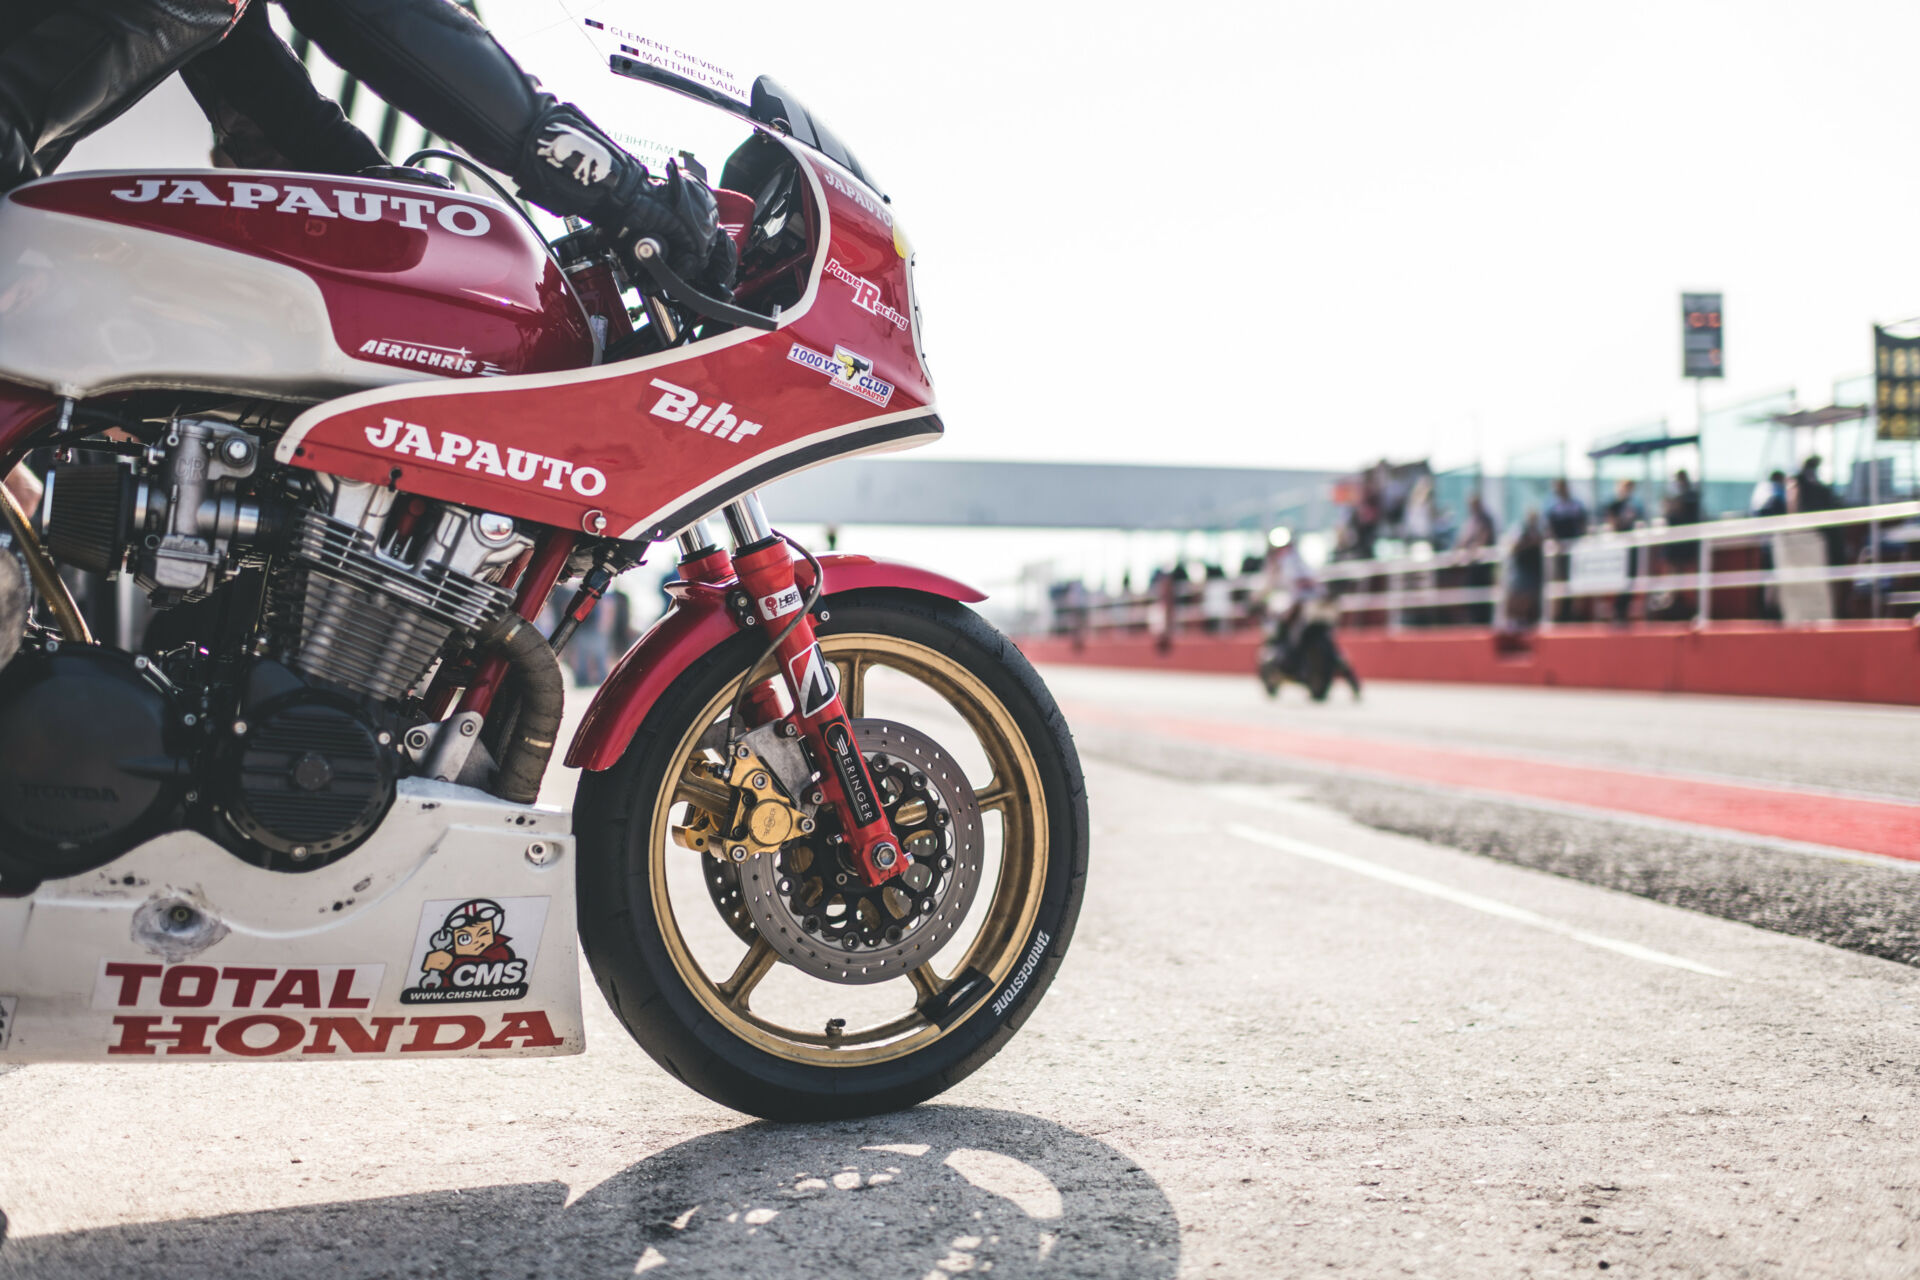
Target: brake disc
{"type": "Point", "coordinates": [821, 917]}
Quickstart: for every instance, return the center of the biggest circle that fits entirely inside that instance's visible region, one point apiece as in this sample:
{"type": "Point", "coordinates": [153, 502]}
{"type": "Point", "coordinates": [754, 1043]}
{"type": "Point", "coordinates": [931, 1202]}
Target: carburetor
{"type": "Point", "coordinates": [175, 524]}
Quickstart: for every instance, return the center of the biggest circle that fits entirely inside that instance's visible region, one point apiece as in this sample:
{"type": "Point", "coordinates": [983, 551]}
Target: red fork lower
{"type": "Point", "coordinates": [766, 574]}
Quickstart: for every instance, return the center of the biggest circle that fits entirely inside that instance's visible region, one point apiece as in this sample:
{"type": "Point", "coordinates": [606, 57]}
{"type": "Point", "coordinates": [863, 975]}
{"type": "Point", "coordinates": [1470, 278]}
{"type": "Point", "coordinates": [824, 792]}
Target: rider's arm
{"type": "Point", "coordinates": [436, 63]}
{"type": "Point", "coordinates": [264, 109]}
{"type": "Point", "coordinates": [432, 60]}
{"type": "Point", "coordinates": [76, 65]}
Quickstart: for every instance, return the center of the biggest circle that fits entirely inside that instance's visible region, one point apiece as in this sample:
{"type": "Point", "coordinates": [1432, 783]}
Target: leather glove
{"type": "Point", "coordinates": [722, 263]}
{"type": "Point", "coordinates": [569, 166]}
{"type": "Point", "coordinates": [681, 214]}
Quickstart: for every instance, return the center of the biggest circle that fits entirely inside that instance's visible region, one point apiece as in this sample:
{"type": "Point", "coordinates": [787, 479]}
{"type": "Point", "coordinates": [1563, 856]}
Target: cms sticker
{"type": "Point", "coordinates": [475, 949]}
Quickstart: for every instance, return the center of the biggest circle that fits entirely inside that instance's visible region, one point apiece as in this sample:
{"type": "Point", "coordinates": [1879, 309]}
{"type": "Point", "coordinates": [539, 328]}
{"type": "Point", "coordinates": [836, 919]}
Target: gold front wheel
{"type": "Point", "coordinates": [758, 985]}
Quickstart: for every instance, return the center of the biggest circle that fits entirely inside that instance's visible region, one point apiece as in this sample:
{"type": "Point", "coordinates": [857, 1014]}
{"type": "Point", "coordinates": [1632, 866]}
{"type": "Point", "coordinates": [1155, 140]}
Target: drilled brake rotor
{"type": "Point", "coordinates": [809, 904]}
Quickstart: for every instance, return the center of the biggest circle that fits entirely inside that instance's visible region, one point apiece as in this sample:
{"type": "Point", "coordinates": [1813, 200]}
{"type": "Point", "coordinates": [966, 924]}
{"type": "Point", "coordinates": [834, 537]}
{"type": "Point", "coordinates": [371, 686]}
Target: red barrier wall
{"type": "Point", "coordinates": [1843, 662]}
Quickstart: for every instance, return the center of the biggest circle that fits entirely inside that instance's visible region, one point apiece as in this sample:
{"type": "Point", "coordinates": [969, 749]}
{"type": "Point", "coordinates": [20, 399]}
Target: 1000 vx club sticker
{"type": "Point", "coordinates": [850, 372]}
{"type": "Point", "coordinates": [475, 949]}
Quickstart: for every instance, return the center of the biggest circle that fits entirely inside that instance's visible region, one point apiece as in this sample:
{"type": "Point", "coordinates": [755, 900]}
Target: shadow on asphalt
{"type": "Point", "coordinates": [935, 1190]}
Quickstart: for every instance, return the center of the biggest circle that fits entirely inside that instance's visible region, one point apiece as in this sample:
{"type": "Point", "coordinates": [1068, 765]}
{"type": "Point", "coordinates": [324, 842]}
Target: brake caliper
{"type": "Point", "coordinates": [760, 819]}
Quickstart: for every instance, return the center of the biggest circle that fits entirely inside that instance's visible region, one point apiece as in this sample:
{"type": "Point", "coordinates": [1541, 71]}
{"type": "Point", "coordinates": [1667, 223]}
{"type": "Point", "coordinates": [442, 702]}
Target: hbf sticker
{"type": "Point", "coordinates": [470, 949]}
{"type": "Point", "coordinates": [775, 607]}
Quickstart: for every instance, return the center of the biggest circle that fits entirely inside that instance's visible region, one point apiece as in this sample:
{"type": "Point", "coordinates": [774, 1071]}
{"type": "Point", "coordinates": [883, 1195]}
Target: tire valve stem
{"type": "Point", "coordinates": [836, 1027]}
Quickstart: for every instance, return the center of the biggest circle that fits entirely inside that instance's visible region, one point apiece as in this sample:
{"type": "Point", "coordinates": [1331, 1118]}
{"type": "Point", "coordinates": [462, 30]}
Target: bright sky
{"type": "Point", "coordinates": [1311, 234]}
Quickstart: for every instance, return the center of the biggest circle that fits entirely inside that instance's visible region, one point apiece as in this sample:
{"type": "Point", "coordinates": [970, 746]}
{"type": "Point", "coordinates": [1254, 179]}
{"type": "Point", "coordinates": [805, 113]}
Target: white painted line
{"type": "Point", "coordinates": [1460, 897]}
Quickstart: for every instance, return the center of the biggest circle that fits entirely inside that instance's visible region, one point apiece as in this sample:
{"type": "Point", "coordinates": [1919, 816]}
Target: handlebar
{"type": "Point", "coordinates": [651, 258]}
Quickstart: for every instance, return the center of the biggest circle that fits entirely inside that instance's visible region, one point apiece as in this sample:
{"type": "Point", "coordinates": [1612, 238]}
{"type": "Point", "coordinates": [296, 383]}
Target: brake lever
{"type": "Point", "coordinates": [652, 259]}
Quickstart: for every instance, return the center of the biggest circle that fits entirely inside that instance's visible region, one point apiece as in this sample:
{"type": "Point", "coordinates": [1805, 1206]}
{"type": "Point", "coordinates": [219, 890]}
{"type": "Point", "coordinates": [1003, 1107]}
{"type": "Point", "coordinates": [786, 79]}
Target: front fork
{"type": "Point", "coordinates": [766, 571]}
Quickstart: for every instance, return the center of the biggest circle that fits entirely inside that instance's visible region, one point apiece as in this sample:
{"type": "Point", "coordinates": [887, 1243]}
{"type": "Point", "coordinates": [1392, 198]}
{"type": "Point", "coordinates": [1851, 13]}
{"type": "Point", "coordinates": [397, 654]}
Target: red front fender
{"type": "Point", "coordinates": [696, 622]}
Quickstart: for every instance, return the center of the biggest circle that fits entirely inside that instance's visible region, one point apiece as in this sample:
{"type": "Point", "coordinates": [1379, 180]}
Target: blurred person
{"type": "Point", "coordinates": [1808, 492]}
{"type": "Point", "coordinates": [1364, 516]}
{"type": "Point", "coordinates": [1346, 542]}
{"type": "Point", "coordinates": [1769, 499]}
{"type": "Point", "coordinates": [1566, 514]}
{"type": "Point", "coordinates": [1166, 603]}
{"type": "Point", "coordinates": [1477, 534]}
{"type": "Point", "coordinates": [1422, 523]}
{"type": "Point", "coordinates": [1682, 502]}
{"type": "Point", "coordinates": [1302, 624]}
{"type": "Point", "coordinates": [1625, 514]}
{"type": "Point", "coordinates": [1216, 598]}
{"type": "Point", "coordinates": [1074, 605]}
{"type": "Point", "coordinates": [1566, 521]}
{"type": "Point", "coordinates": [1679, 507]}
{"type": "Point", "coordinates": [1476, 531]}
{"type": "Point", "coordinates": [1526, 573]}
{"type": "Point", "coordinates": [1769, 496]}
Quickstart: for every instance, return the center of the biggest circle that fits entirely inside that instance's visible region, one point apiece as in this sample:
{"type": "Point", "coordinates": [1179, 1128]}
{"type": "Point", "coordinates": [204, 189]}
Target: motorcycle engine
{"type": "Point", "coordinates": [92, 755]}
{"type": "Point", "coordinates": [303, 615]}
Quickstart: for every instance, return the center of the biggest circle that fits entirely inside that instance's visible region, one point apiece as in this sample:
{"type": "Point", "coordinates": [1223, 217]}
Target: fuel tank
{"type": "Point", "coordinates": [297, 286]}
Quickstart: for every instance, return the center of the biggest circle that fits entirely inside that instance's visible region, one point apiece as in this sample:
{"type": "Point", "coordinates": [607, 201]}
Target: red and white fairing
{"type": "Point", "coordinates": [279, 284]}
{"type": "Point", "coordinates": [643, 447]}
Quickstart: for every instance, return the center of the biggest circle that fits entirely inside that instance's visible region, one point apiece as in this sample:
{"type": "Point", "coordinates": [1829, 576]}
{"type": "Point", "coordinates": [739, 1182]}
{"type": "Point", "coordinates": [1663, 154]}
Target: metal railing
{"type": "Point", "coordinates": [1686, 566]}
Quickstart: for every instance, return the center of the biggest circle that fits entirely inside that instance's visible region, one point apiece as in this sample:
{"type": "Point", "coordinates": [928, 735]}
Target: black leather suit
{"type": "Point", "coordinates": [67, 67]}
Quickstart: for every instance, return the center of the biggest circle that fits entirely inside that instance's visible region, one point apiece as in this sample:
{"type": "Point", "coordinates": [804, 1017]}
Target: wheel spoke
{"type": "Point", "coordinates": [995, 795]}
{"type": "Point", "coordinates": [853, 684]}
{"type": "Point", "coordinates": [926, 983]}
{"type": "Point", "coordinates": [753, 966]}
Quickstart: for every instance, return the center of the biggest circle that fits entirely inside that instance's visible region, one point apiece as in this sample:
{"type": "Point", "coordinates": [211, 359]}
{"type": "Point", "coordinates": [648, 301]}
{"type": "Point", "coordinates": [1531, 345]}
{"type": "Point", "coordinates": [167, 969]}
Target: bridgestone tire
{"type": "Point", "coordinates": [621, 934]}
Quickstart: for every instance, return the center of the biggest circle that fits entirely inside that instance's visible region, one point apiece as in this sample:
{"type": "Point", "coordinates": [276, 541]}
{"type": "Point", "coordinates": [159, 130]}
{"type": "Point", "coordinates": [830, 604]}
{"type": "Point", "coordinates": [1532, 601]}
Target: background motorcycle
{"type": "Point", "coordinates": [830, 840]}
{"type": "Point", "coordinates": [1312, 659]}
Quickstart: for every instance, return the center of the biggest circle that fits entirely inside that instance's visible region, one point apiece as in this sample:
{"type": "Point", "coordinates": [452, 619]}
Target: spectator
{"type": "Point", "coordinates": [1566, 514]}
{"type": "Point", "coordinates": [1216, 598]}
{"type": "Point", "coordinates": [1422, 523]}
{"type": "Point", "coordinates": [1164, 616]}
{"type": "Point", "coordinates": [1682, 503]}
{"type": "Point", "coordinates": [1624, 515]}
{"type": "Point", "coordinates": [1477, 534]}
{"type": "Point", "coordinates": [1477, 531]}
{"type": "Point", "coordinates": [1770, 496]}
{"type": "Point", "coordinates": [1809, 492]}
{"type": "Point", "coordinates": [1526, 573]}
{"type": "Point", "coordinates": [1680, 506]}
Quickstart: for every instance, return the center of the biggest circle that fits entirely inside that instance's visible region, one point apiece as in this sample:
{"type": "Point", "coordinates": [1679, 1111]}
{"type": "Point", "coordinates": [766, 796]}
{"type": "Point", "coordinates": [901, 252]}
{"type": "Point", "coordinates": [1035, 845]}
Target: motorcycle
{"type": "Point", "coordinates": [1302, 649]}
{"type": "Point", "coordinates": [830, 835]}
